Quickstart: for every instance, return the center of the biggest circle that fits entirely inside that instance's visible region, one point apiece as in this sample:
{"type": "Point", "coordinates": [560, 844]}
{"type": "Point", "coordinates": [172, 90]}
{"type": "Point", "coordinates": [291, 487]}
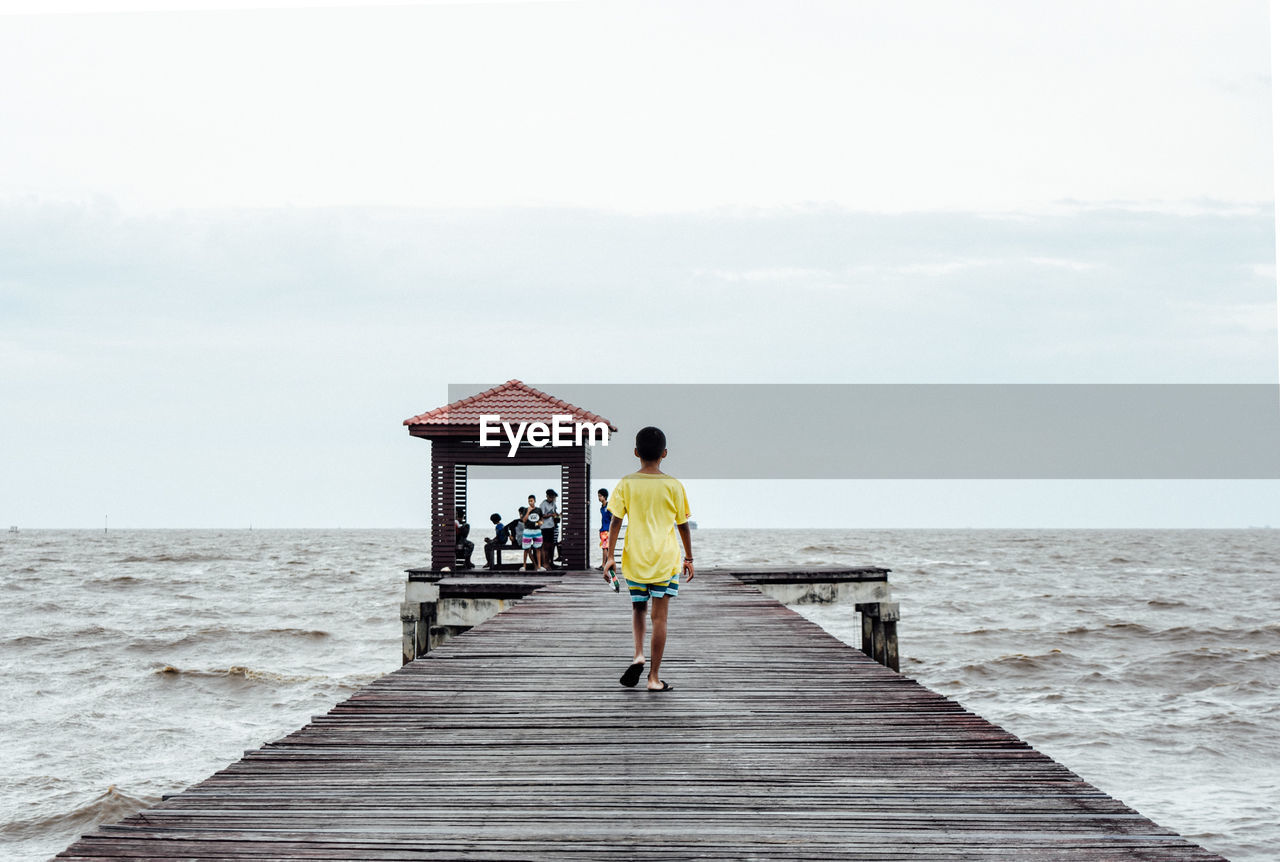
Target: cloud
{"type": "Point", "coordinates": [251, 285]}
{"type": "Point", "coordinates": [149, 355]}
{"type": "Point", "coordinates": [771, 276]}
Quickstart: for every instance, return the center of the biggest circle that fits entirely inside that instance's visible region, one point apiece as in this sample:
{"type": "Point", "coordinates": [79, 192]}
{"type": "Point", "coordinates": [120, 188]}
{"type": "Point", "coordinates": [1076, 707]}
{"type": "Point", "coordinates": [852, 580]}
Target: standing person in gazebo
{"type": "Point", "coordinates": [550, 521]}
{"type": "Point", "coordinates": [652, 502]}
{"type": "Point", "coordinates": [532, 536]}
{"type": "Point", "coordinates": [606, 518]}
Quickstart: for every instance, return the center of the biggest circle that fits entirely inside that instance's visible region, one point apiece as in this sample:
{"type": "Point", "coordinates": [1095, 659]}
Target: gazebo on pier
{"type": "Point", "coordinates": [454, 431]}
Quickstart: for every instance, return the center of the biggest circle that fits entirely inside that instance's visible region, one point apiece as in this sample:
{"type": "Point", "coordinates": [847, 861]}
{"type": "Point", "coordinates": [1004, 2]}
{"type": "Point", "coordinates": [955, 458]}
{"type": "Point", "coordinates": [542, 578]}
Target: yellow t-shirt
{"type": "Point", "coordinates": [652, 503]}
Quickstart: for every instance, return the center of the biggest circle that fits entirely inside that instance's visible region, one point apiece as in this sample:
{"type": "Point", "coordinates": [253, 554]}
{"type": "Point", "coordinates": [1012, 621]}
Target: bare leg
{"type": "Point", "coordinates": [658, 642]}
{"type": "Point", "coordinates": [637, 627]}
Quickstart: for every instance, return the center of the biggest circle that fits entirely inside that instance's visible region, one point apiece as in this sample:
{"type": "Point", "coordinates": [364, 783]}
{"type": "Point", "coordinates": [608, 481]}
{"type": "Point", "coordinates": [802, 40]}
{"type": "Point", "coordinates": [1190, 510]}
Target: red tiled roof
{"type": "Point", "coordinates": [513, 401]}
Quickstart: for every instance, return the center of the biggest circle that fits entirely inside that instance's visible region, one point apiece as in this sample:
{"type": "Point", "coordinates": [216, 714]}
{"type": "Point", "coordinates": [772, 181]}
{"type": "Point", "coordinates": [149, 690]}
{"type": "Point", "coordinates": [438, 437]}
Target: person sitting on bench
{"type": "Point", "coordinates": [515, 527]}
{"type": "Point", "coordinates": [493, 543]}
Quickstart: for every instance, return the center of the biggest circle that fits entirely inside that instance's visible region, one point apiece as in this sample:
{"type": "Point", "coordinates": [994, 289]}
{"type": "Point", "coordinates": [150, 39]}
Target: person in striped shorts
{"type": "Point", "coordinates": [656, 508]}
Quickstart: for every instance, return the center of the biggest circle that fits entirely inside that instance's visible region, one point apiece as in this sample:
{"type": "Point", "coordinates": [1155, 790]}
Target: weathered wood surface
{"type": "Point", "coordinates": [515, 741]}
{"type": "Point", "coordinates": [805, 574]}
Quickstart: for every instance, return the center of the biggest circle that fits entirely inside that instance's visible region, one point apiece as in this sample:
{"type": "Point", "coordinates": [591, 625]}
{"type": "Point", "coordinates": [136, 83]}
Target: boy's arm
{"type": "Point", "coordinates": [615, 527]}
{"type": "Point", "coordinates": [687, 538]}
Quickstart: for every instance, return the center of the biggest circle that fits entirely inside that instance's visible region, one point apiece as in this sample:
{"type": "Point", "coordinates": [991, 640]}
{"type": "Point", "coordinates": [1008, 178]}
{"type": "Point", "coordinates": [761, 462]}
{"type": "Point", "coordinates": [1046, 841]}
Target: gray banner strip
{"type": "Point", "coordinates": [939, 431]}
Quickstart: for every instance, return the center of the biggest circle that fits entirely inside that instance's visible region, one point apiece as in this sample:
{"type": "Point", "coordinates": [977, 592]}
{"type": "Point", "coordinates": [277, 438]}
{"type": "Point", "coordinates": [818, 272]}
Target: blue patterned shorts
{"type": "Point", "coordinates": [643, 592]}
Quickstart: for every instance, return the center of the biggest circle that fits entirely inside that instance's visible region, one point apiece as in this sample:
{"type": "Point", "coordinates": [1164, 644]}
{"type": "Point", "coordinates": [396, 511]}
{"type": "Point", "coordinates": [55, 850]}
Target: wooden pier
{"type": "Point", "coordinates": [514, 741]}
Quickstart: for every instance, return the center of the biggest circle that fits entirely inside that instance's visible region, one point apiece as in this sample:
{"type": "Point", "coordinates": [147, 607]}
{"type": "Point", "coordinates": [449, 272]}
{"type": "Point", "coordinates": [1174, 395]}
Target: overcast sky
{"type": "Point", "coordinates": [237, 247]}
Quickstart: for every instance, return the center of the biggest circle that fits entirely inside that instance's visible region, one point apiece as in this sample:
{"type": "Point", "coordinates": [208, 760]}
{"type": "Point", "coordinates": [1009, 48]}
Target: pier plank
{"type": "Point", "coordinates": [514, 741]}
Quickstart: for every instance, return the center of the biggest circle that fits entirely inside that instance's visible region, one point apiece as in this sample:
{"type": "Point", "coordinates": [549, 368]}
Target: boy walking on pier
{"type": "Point", "coordinates": [655, 507]}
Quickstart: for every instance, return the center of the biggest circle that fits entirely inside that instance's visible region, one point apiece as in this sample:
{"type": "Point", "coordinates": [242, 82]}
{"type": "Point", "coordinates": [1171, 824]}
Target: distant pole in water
{"type": "Point", "coordinates": [104, 522]}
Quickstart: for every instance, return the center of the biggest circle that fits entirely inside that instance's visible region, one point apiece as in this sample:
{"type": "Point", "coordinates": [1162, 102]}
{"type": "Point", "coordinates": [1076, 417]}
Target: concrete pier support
{"type": "Point", "coordinates": [439, 605]}
{"type": "Point", "coordinates": [880, 631]}
{"type": "Point", "coordinates": [418, 613]}
{"type": "Point", "coordinates": [866, 588]}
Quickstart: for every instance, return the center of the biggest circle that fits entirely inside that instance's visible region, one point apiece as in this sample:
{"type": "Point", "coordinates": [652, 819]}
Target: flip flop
{"type": "Point", "coordinates": [666, 686]}
{"type": "Point", "coordinates": [631, 675]}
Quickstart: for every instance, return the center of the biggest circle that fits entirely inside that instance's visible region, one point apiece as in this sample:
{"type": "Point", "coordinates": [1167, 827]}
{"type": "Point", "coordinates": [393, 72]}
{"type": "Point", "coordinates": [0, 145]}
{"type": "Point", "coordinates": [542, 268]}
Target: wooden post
{"type": "Point", "coordinates": [880, 631]}
{"type": "Point", "coordinates": [575, 509]}
{"type": "Point", "coordinates": [409, 612]}
{"type": "Point", "coordinates": [889, 613]}
{"type": "Point", "coordinates": [426, 620]}
{"type": "Point", "coordinates": [418, 614]}
{"type": "Point", "coordinates": [867, 610]}
{"type": "Point", "coordinates": [891, 644]}
{"type": "Point", "coordinates": [443, 549]}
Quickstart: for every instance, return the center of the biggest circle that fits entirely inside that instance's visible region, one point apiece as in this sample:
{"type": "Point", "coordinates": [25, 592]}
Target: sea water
{"type": "Point", "coordinates": [138, 662]}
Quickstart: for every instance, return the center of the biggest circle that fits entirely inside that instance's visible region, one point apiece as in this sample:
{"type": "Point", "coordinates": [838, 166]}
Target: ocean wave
{"type": "Point", "coordinates": [240, 672]}
{"type": "Point", "coordinates": [1115, 628]}
{"type": "Point", "coordinates": [315, 634]}
{"type": "Point", "coordinates": [112, 804]}
{"type": "Point", "coordinates": [1019, 663]}
{"type": "Point", "coordinates": [1202, 667]}
{"type": "Point", "coordinates": [174, 558]}
{"type": "Point", "coordinates": [1129, 627]}
{"type": "Point", "coordinates": [1021, 659]}
{"type": "Point", "coordinates": [222, 634]}
{"type": "Point", "coordinates": [1173, 634]}
{"type": "Point", "coordinates": [235, 671]}
{"type": "Point", "coordinates": [123, 580]}
{"type": "Point", "coordinates": [27, 640]}
{"type": "Point", "coordinates": [1220, 723]}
